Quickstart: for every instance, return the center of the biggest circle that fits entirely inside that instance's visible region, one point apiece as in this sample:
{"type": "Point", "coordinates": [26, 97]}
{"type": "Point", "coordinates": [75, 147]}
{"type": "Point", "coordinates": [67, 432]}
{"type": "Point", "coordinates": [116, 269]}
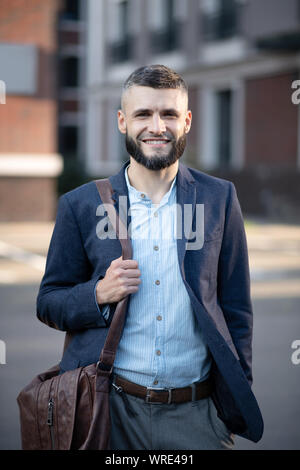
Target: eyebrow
{"type": "Point", "coordinates": [140, 111]}
{"type": "Point", "coordinates": [164, 111]}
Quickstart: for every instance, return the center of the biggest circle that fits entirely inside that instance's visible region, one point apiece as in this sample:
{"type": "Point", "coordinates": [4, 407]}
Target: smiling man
{"type": "Point", "coordinates": [155, 121]}
{"type": "Point", "coordinates": [182, 373]}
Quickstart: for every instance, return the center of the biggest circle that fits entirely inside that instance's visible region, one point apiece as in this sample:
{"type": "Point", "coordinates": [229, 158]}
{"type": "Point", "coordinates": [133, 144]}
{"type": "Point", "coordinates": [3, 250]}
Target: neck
{"type": "Point", "coordinates": [154, 183]}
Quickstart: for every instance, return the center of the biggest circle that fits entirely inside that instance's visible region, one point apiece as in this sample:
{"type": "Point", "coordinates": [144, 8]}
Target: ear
{"type": "Point", "coordinates": [188, 121]}
{"type": "Point", "coordinates": [121, 122]}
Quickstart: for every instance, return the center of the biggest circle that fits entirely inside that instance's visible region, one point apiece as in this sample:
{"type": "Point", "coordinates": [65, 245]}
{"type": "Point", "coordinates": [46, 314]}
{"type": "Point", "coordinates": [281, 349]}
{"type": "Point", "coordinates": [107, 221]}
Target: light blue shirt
{"type": "Point", "coordinates": [162, 344]}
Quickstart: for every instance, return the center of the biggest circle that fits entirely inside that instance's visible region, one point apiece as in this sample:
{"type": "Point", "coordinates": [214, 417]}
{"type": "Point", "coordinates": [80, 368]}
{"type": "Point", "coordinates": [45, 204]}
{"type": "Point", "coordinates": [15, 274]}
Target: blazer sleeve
{"type": "Point", "coordinates": [234, 283]}
{"type": "Point", "coordinates": [66, 298]}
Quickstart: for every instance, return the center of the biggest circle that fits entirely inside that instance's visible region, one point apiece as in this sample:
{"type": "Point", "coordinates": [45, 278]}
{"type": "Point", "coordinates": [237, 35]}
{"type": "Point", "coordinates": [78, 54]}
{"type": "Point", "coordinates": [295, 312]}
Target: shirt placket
{"type": "Point", "coordinates": [153, 231]}
{"type": "Point", "coordinates": [159, 319]}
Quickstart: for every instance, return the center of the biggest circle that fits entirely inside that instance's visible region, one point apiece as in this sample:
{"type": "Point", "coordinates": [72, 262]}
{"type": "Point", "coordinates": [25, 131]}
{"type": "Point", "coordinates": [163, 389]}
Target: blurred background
{"type": "Point", "coordinates": [62, 64]}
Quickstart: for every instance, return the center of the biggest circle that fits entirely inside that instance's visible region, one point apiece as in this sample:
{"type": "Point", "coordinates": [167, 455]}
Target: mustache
{"type": "Point", "coordinates": [166, 135]}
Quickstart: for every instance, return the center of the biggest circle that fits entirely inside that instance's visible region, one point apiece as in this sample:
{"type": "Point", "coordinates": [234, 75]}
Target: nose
{"type": "Point", "coordinates": [157, 125]}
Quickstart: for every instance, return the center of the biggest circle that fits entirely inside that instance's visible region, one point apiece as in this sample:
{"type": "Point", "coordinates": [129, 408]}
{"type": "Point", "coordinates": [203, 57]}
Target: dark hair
{"type": "Point", "coordinates": [155, 76]}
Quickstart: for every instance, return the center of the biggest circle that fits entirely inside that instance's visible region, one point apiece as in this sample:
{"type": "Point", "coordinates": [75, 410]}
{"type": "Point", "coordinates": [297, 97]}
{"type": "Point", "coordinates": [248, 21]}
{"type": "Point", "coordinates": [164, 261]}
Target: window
{"type": "Point", "coordinates": [223, 118]}
{"type": "Point", "coordinates": [68, 141]}
{"type": "Point", "coordinates": [119, 40]}
{"type": "Point", "coordinates": [164, 29]}
{"type": "Point", "coordinates": [70, 72]}
{"type": "Point", "coordinates": [71, 10]}
{"type": "Point", "coordinates": [219, 19]}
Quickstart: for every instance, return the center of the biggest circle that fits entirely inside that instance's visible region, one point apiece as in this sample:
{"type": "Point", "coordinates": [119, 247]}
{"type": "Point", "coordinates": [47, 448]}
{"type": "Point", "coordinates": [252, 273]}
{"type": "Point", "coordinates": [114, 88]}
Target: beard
{"type": "Point", "coordinates": [155, 161]}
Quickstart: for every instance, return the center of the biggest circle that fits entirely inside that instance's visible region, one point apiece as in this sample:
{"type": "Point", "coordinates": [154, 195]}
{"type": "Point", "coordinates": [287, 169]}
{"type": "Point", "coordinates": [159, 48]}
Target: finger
{"type": "Point", "coordinates": [132, 281]}
{"type": "Point", "coordinates": [128, 273]}
{"type": "Point", "coordinates": [132, 289]}
{"type": "Point", "coordinates": [128, 264]}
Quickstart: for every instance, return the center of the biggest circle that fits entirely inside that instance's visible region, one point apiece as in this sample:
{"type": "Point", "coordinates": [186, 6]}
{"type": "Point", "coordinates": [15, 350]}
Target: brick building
{"type": "Point", "coordinates": [29, 162]}
{"type": "Point", "coordinates": [239, 58]}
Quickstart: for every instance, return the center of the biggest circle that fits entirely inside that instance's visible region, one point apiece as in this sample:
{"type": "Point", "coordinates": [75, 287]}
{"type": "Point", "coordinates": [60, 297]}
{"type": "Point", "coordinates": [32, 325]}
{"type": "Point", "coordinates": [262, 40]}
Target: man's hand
{"type": "Point", "coordinates": [121, 279]}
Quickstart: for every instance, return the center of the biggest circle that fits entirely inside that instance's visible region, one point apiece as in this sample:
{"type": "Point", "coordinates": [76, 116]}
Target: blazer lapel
{"type": "Point", "coordinates": [121, 196]}
{"type": "Point", "coordinates": [186, 201]}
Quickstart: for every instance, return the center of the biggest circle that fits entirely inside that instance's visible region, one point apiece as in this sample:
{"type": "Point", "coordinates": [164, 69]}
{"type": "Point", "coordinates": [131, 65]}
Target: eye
{"type": "Point", "coordinates": [142, 114]}
{"type": "Point", "coordinates": [170, 115]}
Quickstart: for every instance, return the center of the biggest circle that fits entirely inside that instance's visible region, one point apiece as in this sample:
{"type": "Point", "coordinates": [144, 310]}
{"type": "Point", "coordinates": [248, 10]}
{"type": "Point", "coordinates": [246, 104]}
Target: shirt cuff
{"type": "Point", "coordinates": [104, 309]}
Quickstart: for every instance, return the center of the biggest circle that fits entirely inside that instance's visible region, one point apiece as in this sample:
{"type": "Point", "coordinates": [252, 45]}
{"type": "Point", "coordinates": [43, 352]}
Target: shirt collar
{"type": "Point", "coordinates": [136, 196]}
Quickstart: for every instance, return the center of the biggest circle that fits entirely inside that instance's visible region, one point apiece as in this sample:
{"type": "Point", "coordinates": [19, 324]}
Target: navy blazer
{"type": "Point", "coordinates": [216, 278]}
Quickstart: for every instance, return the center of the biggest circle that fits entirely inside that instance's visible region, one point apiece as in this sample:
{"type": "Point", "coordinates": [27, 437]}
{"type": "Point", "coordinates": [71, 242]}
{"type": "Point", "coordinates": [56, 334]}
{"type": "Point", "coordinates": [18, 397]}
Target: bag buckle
{"type": "Point", "coordinates": [101, 366]}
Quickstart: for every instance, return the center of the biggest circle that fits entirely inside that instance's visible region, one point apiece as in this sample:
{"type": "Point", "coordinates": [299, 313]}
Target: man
{"type": "Point", "coordinates": [182, 373]}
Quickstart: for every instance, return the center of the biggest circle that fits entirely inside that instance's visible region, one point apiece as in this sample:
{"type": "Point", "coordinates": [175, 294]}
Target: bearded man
{"type": "Point", "coordinates": [182, 374]}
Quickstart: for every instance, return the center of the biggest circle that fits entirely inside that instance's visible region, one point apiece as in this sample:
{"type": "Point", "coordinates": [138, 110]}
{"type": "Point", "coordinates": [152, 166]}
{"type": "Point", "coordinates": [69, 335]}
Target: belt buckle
{"type": "Point", "coordinates": [147, 399]}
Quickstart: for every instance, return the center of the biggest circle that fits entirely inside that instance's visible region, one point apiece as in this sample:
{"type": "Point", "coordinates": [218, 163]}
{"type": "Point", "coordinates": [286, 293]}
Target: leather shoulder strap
{"type": "Point", "coordinates": [108, 352]}
{"type": "Point", "coordinates": [105, 190]}
{"type": "Point", "coordinates": [116, 327]}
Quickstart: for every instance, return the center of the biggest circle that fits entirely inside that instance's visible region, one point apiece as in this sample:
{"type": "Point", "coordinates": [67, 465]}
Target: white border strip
{"type": "Point", "coordinates": [27, 164]}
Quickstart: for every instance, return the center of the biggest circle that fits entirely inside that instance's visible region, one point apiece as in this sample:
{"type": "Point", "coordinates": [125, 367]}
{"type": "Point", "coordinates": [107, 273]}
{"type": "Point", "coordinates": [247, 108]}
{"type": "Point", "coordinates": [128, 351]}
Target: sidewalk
{"type": "Point", "coordinates": [23, 251]}
{"type": "Point", "coordinates": [275, 270]}
{"type": "Point", "coordinates": [274, 256]}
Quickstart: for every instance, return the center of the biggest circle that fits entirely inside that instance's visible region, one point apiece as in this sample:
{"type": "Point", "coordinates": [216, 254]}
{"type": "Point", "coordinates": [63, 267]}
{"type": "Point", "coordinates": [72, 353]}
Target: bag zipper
{"type": "Point", "coordinates": [50, 422]}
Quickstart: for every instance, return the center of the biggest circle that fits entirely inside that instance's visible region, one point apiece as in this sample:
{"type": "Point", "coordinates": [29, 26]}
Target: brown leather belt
{"type": "Point", "coordinates": [193, 392]}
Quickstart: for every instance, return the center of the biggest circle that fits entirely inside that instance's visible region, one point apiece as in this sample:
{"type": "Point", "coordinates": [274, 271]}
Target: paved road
{"type": "Point", "coordinates": [275, 268]}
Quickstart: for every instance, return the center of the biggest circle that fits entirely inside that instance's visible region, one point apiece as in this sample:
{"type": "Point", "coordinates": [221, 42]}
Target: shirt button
{"type": "Point", "coordinates": [155, 248]}
{"type": "Point", "coordinates": [155, 214]}
{"type": "Point", "coordinates": [142, 195]}
{"type": "Point", "coordinates": [159, 317]}
{"type": "Point", "coordinates": [155, 382]}
{"type": "Point", "coordinates": [158, 352]}
{"type": "Point", "coordinates": [157, 282]}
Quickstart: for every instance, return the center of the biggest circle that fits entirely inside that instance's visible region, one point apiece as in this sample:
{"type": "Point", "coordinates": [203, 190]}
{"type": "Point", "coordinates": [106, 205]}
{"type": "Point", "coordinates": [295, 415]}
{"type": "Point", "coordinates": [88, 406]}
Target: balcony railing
{"type": "Point", "coordinates": [288, 42]}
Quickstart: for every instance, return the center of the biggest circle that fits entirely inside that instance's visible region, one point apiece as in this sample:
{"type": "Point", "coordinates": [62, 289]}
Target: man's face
{"type": "Point", "coordinates": [155, 122]}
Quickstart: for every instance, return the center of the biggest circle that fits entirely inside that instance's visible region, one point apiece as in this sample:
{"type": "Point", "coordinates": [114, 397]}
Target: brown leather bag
{"type": "Point", "coordinates": [71, 410]}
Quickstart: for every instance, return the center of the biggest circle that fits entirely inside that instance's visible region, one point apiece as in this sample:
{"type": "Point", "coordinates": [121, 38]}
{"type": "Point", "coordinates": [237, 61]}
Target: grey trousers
{"type": "Point", "coordinates": [190, 426]}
